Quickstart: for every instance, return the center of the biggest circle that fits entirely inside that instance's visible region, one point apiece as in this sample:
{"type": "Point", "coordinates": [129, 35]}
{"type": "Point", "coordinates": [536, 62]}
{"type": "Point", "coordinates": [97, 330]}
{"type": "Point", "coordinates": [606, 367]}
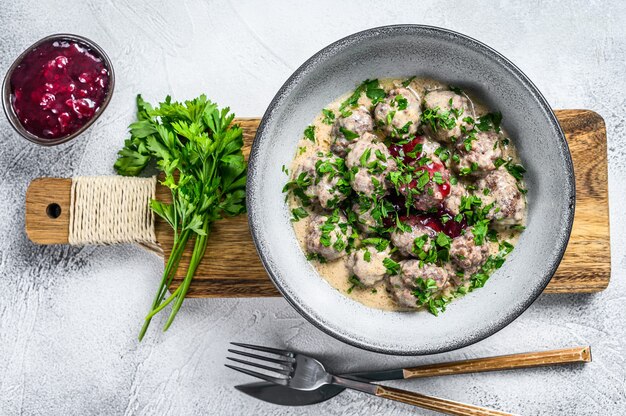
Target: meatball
{"type": "Point", "coordinates": [405, 242]}
{"type": "Point", "coordinates": [411, 270]}
{"type": "Point", "coordinates": [399, 113]}
{"type": "Point", "coordinates": [451, 108]}
{"type": "Point", "coordinates": [369, 268]}
{"type": "Point", "coordinates": [452, 203]}
{"type": "Point", "coordinates": [482, 154]}
{"type": "Point", "coordinates": [326, 188]}
{"type": "Point", "coordinates": [402, 294]}
{"type": "Point", "coordinates": [365, 220]}
{"type": "Point", "coordinates": [430, 194]}
{"type": "Point", "coordinates": [359, 122]}
{"type": "Point", "coordinates": [500, 189]}
{"type": "Point", "coordinates": [403, 285]}
{"type": "Point", "coordinates": [370, 162]}
{"type": "Point", "coordinates": [466, 255]}
{"type": "Point", "coordinates": [328, 236]}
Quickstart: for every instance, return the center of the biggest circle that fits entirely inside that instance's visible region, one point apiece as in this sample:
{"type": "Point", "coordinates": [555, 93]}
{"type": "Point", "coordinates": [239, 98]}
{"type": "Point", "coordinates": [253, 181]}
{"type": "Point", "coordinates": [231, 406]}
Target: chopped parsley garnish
{"type": "Point", "coordinates": [298, 186]}
{"type": "Point", "coordinates": [365, 157]}
{"type": "Point", "coordinates": [517, 171]}
{"type": "Point", "coordinates": [316, 257]}
{"type": "Point", "coordinates": [490, 121]}
{"type": "Point", "coordinates": [493, 262]}
{"type": "Point", "coordinates": [499, 162]}
{"type": "Point", "coordinates": [403, 131]}
{"type": "Point", "coordinates": [424, 290]}
{"type": "Point", "coordinates": [437, 119]}
{"type": "Point", "coordinates": [407, 81]}
{"type": "Point", "coordinates": [309, 133]}
{"type": "Point", "coordinates": [392, 267]}
{"type": "Point", "coordinates": [329, 116]}
{"type": "Point", "coordinates": [443, 240]}
{"type": "Point", "coordinates": [480, 231]}
{"type": "Point", "coordinates": [372, 90]}
{"type": "Point", "coordinates": [441, 152]}
{"type": "Point", "coordinates": [298, 214]}
{"type": "Point", "coordinates": [464, 171]}
{"type": "Point", "coordinates": [355, 282]}
{"type": "Point", "coordinates": [438, 178]}
{"type": "Point", "coordinates": [348, 134]}
{"type": "Point", "coordinates": [400, 102]}
{"type": "Point", "coordinates": [380, 243]}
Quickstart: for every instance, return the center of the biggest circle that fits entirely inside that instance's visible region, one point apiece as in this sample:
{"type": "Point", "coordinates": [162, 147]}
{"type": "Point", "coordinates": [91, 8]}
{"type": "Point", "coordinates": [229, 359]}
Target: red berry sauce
{"type": "Point", "coordinates": [403, 150]}
{"type": "Point", "coordinates": [58, 87]}
{"type": "Point", "coordinates": [435, 221]}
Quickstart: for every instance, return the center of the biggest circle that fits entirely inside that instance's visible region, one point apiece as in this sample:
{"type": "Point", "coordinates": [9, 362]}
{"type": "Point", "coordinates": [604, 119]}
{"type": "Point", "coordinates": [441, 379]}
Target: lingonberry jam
{"type": "Point", "coordinates": [408, 150]}
{"type": "Point", "coordinates": [439, 220]}
{"type": "Point", "coordinates": [58, 87]}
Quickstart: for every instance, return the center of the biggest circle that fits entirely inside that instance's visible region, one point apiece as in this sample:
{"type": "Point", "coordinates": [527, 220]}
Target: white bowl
{"type": "Point", "coordinates": [397, 52]}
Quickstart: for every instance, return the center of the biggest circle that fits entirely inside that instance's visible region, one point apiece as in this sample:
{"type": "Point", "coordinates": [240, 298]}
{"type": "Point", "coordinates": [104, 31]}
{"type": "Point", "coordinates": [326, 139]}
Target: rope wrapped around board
{"type": "Point", "coordinates": [111, 210]}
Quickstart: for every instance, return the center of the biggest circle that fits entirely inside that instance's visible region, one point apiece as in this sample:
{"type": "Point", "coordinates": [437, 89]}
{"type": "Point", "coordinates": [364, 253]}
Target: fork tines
{"type": "Point", "coordinates": [279, 373]}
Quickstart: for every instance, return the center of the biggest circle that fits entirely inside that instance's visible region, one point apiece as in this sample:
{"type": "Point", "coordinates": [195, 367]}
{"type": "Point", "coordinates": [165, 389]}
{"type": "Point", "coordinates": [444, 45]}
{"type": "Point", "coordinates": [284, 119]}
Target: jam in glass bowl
{"type": "Point", "coordinates": [57, 88]}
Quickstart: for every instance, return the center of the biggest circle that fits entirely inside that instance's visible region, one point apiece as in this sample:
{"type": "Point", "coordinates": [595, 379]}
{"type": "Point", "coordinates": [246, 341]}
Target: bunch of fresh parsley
{"type": "Point", "coordinates": [198, 149]}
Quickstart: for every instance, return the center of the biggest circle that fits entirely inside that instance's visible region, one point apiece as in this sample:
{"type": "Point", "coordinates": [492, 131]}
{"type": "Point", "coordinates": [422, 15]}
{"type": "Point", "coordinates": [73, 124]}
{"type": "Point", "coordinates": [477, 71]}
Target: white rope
{"type": "Point", "coordinates": [111, 209]}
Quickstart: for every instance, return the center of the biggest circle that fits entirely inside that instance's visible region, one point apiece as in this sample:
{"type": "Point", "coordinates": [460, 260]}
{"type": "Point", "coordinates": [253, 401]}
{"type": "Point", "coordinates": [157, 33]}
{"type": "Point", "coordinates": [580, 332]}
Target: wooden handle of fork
{"type": "Point", "coordinates": [433, 403]}
{"type": "Point", "coordinates": [503, 362]}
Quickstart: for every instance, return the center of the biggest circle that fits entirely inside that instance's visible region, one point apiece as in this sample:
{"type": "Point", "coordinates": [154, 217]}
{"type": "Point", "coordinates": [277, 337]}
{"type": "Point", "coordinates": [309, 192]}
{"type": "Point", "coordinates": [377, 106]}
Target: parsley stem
{"type": "Point", "coordinates": [198, 252]}
{"type": "Point", "coordinates": [168, 275]}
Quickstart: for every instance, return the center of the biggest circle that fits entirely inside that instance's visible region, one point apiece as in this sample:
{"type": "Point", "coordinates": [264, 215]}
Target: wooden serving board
{"type": "Point", "coordinates": [232, 268]}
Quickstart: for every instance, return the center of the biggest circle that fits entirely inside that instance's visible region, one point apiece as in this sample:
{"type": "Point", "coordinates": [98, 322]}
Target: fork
{"type": "Point", "coordinates": [301, 372]}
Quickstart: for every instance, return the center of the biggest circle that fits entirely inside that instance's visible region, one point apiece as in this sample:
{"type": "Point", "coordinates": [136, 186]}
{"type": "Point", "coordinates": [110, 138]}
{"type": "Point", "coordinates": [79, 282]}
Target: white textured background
{"type": "Point", "coordinates": [69, 316]}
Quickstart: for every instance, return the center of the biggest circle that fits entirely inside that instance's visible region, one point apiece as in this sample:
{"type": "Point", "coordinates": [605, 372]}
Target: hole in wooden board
{"type": "Point", "coordinates": [53, 210]}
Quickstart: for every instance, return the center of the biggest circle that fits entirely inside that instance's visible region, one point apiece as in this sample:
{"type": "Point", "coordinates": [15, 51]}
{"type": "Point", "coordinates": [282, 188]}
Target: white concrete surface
{"type": "Point", "coordinates": [69, 316]}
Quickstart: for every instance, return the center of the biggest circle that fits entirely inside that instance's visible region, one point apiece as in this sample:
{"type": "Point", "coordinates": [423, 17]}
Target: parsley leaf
{"type": "Point", "coordinates": [407, 81]}
{"type": "Point", "coordinates": [309, 133]}
{"type": "Point", "coordinates": [298, 214]}
{"type": "Point", "coordinates": [372, 90]}
{"type": "Point", "coordinates": [348, 134]}
{"type": "Point", "coordinates": [392, 266]}
{"type": "Point", "coordinates": [490, 121]}
{"type": "Point", "coordinates": [517, 171]}
{"type": "Point", "coordinates": [329, 116]}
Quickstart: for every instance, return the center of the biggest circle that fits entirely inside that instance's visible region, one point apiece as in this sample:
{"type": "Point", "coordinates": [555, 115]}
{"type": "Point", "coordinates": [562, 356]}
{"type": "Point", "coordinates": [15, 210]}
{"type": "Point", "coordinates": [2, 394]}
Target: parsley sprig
{"type": "Point", "coordinates": [372, 90]}
{"type": "Point", "coordinates": [198, 149]}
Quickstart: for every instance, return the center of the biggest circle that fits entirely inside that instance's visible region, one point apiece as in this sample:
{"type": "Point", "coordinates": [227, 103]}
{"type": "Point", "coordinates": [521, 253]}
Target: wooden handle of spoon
{"type": "Point", "coordinates": [433, 403]}
{"type": "Point", "coordinates": [503, 362]}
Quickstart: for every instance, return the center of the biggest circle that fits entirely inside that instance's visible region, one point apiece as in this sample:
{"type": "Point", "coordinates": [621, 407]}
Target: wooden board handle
{"type": "Point", "coordinates": [91, 210]}
{"type": "Point", "coordinates": [503, 362]}
{"type": "Point", "coordinates": [48, 210]}
{"type": "Point", "coordinates": [434, 403]}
